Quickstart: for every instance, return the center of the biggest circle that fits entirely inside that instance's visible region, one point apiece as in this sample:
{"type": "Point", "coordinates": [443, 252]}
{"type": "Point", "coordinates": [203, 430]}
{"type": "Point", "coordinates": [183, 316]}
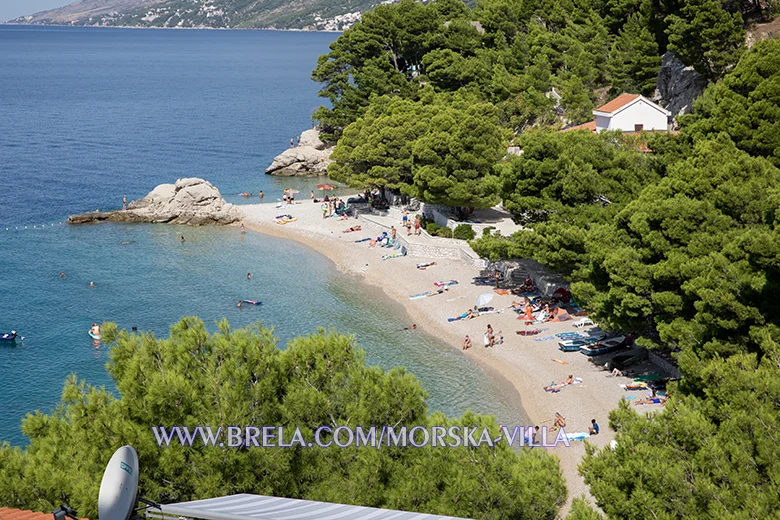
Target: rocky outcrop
{"type": "Point", "coordinates": [310, 158]}
{"type": "Point", "coordinates": [677, 85]}
{"type": "Point", "coordinates": [190, 201]}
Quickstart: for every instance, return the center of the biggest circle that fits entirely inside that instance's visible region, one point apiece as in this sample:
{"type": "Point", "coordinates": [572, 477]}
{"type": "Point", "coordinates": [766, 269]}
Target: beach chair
{"type": "Point", "coordinates": [584, 322]}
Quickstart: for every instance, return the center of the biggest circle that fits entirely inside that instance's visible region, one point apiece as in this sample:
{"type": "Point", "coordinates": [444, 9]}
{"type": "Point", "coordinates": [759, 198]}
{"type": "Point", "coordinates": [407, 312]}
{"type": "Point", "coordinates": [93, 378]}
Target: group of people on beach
{"type": "Point", "coordinates": [407, 223]}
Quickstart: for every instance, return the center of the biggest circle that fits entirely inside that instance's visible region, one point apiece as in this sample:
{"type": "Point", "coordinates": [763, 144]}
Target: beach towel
{"type": "Point", "coordinates": [397, 244]}
{"type": "Point", "coordinates": [560, 315]}
{"type": "Point", "coordinates": [533, 332]}
{"type": "Point", "coordinates": [458, 318]}
{"type": "Point", "coordinates": [418, 296]}
{"type": "Point", "coordinates": [579, 436]}
{"type": "Point", "coordinates": [634, 386]}
{"type": "Point", "coordinates": [546, 338]}
{"type": "Point", "coordinates": [394, 255]}
{"type": "Point", "coordinates": [426, 266]}
{"type": "Point", "coordinates": [362, 240]}
{"type": "Point", "coordinates": [560, 361]}
{"type": "Point", "coordinates": [501, 292]}
{"type": "Point", "coordinates": [445, 284]}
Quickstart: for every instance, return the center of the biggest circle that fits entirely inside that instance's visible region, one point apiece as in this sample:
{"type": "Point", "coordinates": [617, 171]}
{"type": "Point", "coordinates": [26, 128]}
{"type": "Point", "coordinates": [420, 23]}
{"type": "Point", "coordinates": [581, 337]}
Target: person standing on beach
{"type": "Point", "coordinates": [261, 195]}
{"type": "Point", "coordinates": [467, 343]}
{"type": "Point", "coordinates": [124, 202]}
{"type": "Point", "coordinates": [404, 217]}
{"type": "Point", "coordinates": [324, 209]}
{"type": "Point", "coordinates": [417, 225]}
{"type": "Point", "coordinates": [392, 232]}
{"type": "Point", "coordinates": [292, 143]}
{"type": "Point", "coordinates": [312, 195]}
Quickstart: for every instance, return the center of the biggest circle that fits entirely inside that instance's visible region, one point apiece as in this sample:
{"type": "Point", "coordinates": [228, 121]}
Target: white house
{"type": "Point", "coordinates": [628, 113]}
{"type": "Point", "coordinates": [631, 113]}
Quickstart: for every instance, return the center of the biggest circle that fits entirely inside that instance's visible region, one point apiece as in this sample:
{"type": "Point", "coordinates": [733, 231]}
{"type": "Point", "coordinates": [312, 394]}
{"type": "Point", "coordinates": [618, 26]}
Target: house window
{"type": "Point", "coordinates": [638, 128]}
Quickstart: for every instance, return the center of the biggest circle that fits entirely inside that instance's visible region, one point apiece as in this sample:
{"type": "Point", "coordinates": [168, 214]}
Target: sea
{"type": "Point", "coordinates": [89, 115]}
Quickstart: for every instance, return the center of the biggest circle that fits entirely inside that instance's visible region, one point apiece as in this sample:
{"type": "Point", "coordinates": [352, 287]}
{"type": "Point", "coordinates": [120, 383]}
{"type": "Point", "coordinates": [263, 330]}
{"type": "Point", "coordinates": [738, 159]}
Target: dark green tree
{"type": "Point", "coordinates": [703, 34]}
{"type": "Point", "coordinates": [745, 105]}
{"type": "Point", "coordinates": [634, 61]}
{"type": "Point", "coordinates": [241, 378]}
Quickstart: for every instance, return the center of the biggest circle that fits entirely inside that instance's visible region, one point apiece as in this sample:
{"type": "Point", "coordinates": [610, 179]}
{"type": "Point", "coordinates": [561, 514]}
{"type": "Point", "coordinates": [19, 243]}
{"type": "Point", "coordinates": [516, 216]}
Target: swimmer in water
{"type": "Point", "coordinates": [181, 239]}
{"type": "Point", "coordinates": [62, 275]}
{"type": "Point", "coordinates": [248, 276]}
{"type": "Point", "coordinates": [239, 304]}
{"type": "Point", "coordinates": [92, 284]}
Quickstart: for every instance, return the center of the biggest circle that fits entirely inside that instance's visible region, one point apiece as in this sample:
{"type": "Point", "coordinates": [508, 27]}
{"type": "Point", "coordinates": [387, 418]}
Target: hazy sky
{"type": "Point", "coordinates": [10, 9]}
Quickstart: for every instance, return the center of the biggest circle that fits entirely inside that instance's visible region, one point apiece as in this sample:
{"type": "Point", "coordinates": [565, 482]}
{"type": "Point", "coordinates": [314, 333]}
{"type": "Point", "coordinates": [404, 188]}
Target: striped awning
{"type": "Point", "coordinates": [258, 507]}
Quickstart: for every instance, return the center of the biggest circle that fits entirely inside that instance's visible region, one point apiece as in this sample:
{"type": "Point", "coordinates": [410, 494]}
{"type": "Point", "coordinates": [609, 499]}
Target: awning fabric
{"type": "Point", "coordinates": [258, 507]}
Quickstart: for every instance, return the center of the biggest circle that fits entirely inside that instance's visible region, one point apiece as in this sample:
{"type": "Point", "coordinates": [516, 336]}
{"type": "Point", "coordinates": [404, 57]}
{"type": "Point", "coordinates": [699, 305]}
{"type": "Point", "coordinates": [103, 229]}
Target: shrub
{"type": "Point", "coordinates": [464, 232]}
{"type": "Point", "coordinates": [487, 230]}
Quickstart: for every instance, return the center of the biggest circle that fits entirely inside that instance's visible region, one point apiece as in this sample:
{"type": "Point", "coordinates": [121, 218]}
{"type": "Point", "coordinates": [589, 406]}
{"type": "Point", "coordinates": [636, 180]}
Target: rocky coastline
{"type": "Point", "coordinates": [191, 201]}
{"type": "Point", "coordinates": [310, 158]}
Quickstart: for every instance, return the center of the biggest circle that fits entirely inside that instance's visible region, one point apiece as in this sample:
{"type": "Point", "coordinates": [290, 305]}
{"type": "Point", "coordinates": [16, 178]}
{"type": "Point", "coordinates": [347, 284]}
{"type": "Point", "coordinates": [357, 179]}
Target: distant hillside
{"type": "Point", "coordinates": [279, 14]}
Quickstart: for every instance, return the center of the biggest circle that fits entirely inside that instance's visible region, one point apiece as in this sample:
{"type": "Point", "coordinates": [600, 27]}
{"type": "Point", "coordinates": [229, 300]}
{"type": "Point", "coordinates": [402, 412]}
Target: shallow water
{"type": "Point", "coordinates": [96, 113]}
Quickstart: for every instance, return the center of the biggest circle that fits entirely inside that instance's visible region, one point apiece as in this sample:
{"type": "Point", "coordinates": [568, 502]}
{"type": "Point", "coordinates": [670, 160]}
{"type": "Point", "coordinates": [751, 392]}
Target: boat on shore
{"type": "Point", "coordinates": [604, 347]}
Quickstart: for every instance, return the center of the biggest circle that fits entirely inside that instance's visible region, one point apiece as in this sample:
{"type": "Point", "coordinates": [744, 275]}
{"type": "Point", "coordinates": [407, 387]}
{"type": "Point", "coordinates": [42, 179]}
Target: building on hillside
{"type": "Point", "coordinates": [628, 113]}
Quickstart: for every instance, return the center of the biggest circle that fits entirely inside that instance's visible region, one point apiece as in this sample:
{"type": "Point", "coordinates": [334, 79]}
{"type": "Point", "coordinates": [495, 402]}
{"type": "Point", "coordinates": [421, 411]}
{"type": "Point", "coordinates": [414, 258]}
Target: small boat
{"type": "Point", "coordinates": [569, 347]}
{"type": "Point", "coordinates": [604, 347]}
{"type": "Point", "coordinates": [575, 344]}
{"type": "Point", "coordinates": [252, 302]}
{"type": "Point", "coordinates": [9, 337]}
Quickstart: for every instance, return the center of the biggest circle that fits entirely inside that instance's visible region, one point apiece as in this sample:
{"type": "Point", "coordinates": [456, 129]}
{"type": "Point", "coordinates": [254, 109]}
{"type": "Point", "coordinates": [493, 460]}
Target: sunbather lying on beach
{"type": "Point", "coordinates": [556, 387]}
{"type": "Point", "coordinates": [652, 400]}
{"type": "Point", "coordinates": [560, 421]}
{"type": "Point", "coordinates": [353, 228]}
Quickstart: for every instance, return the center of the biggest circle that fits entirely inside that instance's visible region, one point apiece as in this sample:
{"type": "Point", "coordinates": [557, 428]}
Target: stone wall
{"type": "Point", "coordinates": [440, 249]}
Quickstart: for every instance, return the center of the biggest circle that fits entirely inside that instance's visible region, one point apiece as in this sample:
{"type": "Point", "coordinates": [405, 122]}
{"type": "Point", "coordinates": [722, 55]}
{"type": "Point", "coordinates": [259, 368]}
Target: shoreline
{"type": "Point", "coordinates": [169, 28]}
{"type": "Point", "coordinates": [520, 361]}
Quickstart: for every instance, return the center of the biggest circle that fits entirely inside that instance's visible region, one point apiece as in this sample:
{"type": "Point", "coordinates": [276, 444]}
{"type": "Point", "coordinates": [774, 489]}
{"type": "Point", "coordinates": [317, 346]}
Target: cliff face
{"type": "Point", "coordinates": [677, 85]}
{"type": "Point", "coordinates": [219, 14]}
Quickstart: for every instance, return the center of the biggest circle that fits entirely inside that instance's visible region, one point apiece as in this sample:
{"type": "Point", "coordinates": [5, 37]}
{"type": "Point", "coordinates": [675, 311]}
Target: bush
{"type": "Point", "coordinates": [487, 230]}
{"type": "Point", "coordinates": [432, 228]}
{"type": "Point", "coordinates": [464, 232]}
{"type": "Point", "coordinates": [445, 232]}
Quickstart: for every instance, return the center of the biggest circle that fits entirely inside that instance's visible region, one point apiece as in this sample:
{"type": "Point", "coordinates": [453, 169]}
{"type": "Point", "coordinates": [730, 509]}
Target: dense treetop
{"type": "Point", "coordinates": [241, 378]}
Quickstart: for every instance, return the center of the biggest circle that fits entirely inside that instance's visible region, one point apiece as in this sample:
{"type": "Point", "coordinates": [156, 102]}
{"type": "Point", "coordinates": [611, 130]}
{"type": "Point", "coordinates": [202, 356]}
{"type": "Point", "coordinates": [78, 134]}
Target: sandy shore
{"type": "Point", "coordinates": [527, 364]}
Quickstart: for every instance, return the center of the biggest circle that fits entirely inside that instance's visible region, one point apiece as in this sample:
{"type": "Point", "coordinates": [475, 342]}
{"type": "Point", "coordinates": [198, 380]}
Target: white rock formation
{"type": "Point", "coordinates": [190, 201]}
{"type": "Point", "coordinates": [311, 157]}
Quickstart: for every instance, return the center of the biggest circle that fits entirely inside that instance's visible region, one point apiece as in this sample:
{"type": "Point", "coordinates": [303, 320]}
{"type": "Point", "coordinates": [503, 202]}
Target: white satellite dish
{"type": "Point", "coordinates": [119, 488]}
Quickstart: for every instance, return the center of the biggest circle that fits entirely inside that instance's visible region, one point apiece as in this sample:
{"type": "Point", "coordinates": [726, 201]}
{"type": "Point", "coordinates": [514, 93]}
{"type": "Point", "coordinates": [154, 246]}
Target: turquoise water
{"type": "Point", "coordinates": [91, 114]}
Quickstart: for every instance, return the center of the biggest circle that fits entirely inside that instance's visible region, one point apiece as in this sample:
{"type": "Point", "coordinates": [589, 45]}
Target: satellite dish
{"type": "Point", "coordinates": [119, 488]}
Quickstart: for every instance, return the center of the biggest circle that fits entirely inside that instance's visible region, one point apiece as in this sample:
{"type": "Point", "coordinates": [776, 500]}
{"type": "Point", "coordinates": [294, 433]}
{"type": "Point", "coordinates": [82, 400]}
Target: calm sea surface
{"type": "Point", "coordinates": [88, 115]}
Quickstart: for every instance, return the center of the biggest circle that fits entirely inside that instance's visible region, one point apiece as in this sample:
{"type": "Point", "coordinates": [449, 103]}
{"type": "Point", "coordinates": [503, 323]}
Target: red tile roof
{"type": "Point", "coordinates": [590, 125]}
{"type": "Point", "coordinates": [7, 513]}
{"type": "Point", "coordinates": [617, 103]}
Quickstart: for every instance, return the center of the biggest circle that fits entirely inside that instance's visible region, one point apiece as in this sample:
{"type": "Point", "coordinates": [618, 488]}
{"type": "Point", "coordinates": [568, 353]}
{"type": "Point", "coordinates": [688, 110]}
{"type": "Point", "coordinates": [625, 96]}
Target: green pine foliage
{"type": "Point", "coordinates": [240, 377]}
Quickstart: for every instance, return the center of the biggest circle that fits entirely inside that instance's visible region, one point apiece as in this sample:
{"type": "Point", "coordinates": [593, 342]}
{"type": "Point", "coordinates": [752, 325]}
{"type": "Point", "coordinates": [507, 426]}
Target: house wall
{"type": "Point", "coordinates": [602, 123]}
{"type": "Point", "coordinates": [638, 113]}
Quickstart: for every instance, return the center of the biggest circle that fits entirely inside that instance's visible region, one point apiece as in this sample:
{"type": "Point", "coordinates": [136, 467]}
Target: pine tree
{"type": "Point", "coordinates": [634, 60]}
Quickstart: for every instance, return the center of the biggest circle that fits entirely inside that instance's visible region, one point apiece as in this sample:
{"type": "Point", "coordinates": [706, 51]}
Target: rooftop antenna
{"type": "Point", "coordinates": [119, 488]}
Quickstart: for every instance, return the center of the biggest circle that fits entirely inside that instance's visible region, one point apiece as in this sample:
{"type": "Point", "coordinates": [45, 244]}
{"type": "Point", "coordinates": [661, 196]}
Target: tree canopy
{"type": "Point", "coordinates": [240, 377]}
{"type": "Point", "coordinates": [685, 253]}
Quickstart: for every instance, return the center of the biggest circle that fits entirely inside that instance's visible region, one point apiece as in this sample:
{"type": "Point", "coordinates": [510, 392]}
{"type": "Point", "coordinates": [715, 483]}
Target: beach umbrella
{"type": "Point", "coordinates": [484, 299]}
{"type": "Point", "coordinates": [325, 187]}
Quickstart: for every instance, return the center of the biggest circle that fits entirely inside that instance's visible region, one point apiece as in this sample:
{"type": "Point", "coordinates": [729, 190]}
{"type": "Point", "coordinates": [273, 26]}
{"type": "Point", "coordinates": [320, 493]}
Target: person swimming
{"type": "Point", "coordinates": [92, 284]}
{"type": "Point", "coordinates": [239, 304]}
{"type": "Point", "coordinates": [248, 276]}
